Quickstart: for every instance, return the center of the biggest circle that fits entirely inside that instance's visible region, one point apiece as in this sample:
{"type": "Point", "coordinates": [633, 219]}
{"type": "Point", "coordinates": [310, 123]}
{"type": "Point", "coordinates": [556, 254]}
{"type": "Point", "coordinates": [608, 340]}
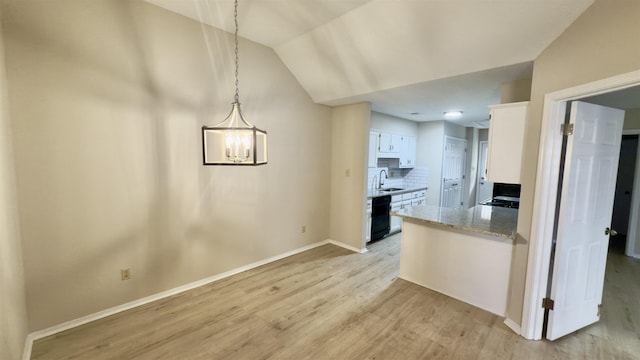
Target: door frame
{"type": "Point", "coordinates": [632, 230]}
{"type": "Point", "coordinates": [478, 174]}
{"type": "Point", "coordinates": [546, 186]}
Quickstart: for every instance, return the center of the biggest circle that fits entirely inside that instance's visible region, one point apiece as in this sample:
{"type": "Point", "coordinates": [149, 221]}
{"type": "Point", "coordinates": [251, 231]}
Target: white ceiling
{"type": "Point", "coordinates": [404, 56]}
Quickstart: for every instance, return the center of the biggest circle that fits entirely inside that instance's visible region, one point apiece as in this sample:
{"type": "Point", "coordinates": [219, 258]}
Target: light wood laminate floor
{"type": "Point", "coordinates": [330, 303]}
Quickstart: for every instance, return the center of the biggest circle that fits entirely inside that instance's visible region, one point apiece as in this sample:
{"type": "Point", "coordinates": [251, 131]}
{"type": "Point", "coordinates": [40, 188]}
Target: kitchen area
{"type": "Point", "coordinates": [394, 182]}
{"type": "Point", "coordinates": [461, 248]}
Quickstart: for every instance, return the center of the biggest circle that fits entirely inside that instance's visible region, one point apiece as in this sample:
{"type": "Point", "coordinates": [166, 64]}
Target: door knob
{"type": "Point", "coordinates": [610, 232]}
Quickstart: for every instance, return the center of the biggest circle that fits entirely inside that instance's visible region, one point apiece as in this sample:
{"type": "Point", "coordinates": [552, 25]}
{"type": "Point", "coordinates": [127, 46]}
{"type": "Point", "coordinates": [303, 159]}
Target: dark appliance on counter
{"type": "Point", "coordinates": [380, 221]}
{"type": "Point", "coordinates": [505, 195]}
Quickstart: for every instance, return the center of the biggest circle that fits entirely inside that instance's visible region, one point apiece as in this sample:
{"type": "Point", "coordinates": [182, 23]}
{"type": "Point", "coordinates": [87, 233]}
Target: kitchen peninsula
{"type": "Point", "coordinates": [465, 254]}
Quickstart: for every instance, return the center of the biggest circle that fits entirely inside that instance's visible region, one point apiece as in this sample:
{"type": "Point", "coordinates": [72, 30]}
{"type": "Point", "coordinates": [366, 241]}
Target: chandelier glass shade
{"type": "Point", "coordinates": [234, 141]}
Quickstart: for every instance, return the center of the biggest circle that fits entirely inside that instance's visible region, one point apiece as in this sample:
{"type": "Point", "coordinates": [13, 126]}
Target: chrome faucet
{"type": "Point", "coordinates": [382, 180]}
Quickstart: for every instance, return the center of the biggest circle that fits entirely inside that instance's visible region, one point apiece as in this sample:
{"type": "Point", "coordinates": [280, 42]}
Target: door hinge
{"type": "Point", "coordinates": [599, 309]}
{"type": "Point", "coordinates": [547, 304]}
{"type": "Point", "coordinates": [566, 129]}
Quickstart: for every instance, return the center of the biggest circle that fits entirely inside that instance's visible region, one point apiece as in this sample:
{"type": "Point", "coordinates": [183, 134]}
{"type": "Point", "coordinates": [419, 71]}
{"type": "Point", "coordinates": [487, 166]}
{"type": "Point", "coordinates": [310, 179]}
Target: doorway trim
{"type": "Point", "coordinates": [479, 166]}
{"type": "Point", "coordinates": [546, 187]}
{"type": "Point", "coordinates": [632, 230]}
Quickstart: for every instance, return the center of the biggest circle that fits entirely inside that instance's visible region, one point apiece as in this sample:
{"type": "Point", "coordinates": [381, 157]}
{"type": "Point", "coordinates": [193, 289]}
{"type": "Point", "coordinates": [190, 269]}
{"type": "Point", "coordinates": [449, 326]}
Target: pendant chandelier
{"type": "Point", "coordinates": [234, 141]}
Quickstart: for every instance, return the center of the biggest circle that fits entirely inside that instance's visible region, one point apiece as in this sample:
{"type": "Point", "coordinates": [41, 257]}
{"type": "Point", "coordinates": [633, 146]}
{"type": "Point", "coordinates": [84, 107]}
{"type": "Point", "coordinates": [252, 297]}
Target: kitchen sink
{"type": "Point", "coordinates": [391, 189]}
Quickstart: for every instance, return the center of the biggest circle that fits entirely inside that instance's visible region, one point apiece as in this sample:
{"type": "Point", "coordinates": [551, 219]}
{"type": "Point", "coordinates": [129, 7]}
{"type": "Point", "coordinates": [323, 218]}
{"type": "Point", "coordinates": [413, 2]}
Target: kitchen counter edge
{"type": "Point", "coordinates": [377, 193]}
{"type": "Point", "coordinates": [503, 222]}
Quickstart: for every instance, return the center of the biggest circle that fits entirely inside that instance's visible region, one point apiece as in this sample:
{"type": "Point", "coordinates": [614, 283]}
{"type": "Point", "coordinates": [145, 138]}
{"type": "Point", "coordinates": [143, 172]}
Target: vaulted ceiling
{"type": "Point", "coordinates": [404, 56]}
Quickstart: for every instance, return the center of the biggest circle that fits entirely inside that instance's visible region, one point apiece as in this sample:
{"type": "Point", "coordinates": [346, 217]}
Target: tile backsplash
{"type": "Point", "coordinates": [400, 178]}
{"type": "Point", "coordinates": [416, 177]}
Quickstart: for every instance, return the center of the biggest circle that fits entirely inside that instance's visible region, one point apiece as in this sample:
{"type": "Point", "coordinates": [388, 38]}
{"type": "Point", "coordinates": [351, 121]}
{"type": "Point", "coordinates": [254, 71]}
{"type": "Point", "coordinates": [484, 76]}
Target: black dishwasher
{"type": "Point", "coordinates": [380, 223]}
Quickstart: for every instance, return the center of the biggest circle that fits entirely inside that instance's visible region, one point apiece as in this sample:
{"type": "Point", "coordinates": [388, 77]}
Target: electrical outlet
{"type": "Point", "coordinates": [125, 274]}
{"type": "Point", "coordinates": [347, 172]}
{"type": "Point", "coordinates": [304, 228]}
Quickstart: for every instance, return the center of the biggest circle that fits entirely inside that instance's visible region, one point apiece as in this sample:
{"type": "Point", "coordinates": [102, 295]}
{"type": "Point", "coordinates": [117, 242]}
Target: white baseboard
{"type": "Point", "coordinates": [512, 325]}
{"type": "Point", "coordinates": [28, 344]}
{"type": "Point", "coordinates": [116, 309]}
{"type": "Point", "coordinates": [347, 246]}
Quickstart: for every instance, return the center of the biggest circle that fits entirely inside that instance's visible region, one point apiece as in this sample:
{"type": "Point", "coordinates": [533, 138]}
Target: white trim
{"type": "Point", "coordinates": [28, 344]}
{"type": "Point", "coordinates": [348, 247]}
{"type": "Point", "coordinates": [542, 221]}
{"type": "Point", "coordinates": [127, 306]}
{"type": "Point", "coordinates": [512, 325]}
{"type": "Point", "coordinates": [546, 190]}
{"type": "Point", "coordinates": [478, 174]}
{"type": "Point", "coordinates": [632, 230]}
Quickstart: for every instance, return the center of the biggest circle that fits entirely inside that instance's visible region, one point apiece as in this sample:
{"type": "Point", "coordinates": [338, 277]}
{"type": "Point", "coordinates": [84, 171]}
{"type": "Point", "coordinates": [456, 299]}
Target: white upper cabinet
{"type": "Point", "coordinates": [373, 148]}
{"type": "Point", "coordinates": [392, 146]}
{"type": "Point", "coordinates": [506, 142]}
{"type": "Point", "coordinates": [389, 144]}
{"type": "Point", "coordinates": [408, 152]}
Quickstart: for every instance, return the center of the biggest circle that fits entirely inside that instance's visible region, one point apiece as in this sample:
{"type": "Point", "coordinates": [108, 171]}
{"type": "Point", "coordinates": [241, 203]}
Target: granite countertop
{"type": "Point", "coordinates": [376, 192]}
{"type": "Point", "coordinates": [488, 220]}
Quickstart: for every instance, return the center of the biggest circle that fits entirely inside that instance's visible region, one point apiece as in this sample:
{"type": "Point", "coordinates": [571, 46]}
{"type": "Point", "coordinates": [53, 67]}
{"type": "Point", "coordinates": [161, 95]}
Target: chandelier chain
{"type": "Point", "coordinates": [235, 17]}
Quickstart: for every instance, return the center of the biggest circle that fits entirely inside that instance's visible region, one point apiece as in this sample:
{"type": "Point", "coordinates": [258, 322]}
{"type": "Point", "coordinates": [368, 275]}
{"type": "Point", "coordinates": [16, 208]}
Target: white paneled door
{"type": "Point", "coordinates": [584, 217]}
{"type": "Point", "coordinates": [453, 172]}
{"type": "Point", "coordinates": [484, 187]}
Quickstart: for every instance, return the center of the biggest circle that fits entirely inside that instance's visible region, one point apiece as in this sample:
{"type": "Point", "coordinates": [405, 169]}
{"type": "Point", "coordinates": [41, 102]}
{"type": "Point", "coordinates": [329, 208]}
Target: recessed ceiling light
{"type": "Point", "coordinates": [452, 114]}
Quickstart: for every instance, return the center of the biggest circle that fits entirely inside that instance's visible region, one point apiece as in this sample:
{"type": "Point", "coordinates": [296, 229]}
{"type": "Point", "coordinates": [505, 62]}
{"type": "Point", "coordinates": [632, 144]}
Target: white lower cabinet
{"type": "Point", "coordinates": [414, 195]}
{"type": "Point", "coordinates": [402, 201]}
{"type": "Point", "coordinates": [396, 205]}
{"type": "Point", "coordinates": [396, 222]}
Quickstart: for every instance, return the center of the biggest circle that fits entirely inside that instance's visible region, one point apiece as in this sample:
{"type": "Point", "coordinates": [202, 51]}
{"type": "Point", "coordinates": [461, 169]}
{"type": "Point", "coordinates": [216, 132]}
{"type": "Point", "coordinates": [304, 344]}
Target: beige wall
{"type": "Point", "coordinates": [13, 310]}
{"type": "Point", "coordinates": [349, 150]}
{"type": "Point", "coordinates": [483, 134]}
{"type": "Point", "coordinates": [107, 100]}
{"type": "Point", "coordinates": [392, 124]}
{"type": "Point", "coordinates": [515, 91]}
{"type": "Point", "coordinates": [429, 148]}
{"type": "Point", "coordinates": [632, 119]}
{"type": "Point", "coordinates": [601, 43]}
